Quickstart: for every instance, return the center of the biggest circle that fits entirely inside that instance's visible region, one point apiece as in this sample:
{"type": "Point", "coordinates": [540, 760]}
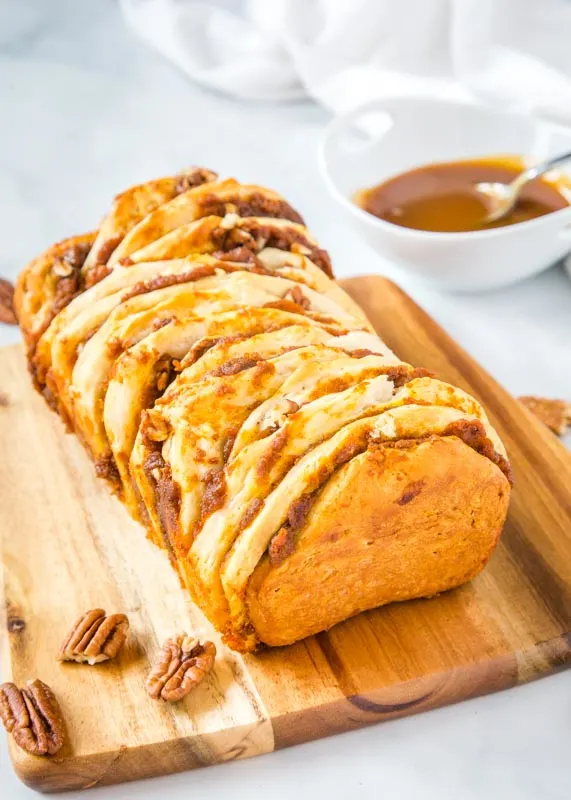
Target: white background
{"type": "Point", "coordinates": [86, 110]}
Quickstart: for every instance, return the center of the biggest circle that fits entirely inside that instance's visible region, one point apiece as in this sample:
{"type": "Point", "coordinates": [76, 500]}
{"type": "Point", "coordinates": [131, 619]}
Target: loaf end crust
{"type": "Point", "coordinates": [429, 517]}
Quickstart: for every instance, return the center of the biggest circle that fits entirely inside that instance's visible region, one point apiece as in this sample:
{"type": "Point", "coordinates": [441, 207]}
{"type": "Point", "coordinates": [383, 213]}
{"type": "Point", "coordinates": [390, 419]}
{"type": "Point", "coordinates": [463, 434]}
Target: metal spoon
{"type": "Point", "coordinates": [502, 197]}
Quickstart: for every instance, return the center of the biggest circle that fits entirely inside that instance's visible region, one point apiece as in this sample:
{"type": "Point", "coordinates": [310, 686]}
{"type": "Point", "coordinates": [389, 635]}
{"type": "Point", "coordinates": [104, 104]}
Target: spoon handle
{"type": "Point", "coordinates": [539, 169]}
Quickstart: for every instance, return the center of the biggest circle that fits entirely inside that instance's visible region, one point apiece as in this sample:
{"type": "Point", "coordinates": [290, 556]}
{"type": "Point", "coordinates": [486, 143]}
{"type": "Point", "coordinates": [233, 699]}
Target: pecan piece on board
{"type": "Point", "coordinates": [179, 666]}
{"type": "Point", "coordinates": [94, 637]}
{"type": "Point", "coordinates": [33, 717]}
{"type": "Point", "coordinates": [7, 314]}
{"type": "Point", "coordinates": [556, 414]}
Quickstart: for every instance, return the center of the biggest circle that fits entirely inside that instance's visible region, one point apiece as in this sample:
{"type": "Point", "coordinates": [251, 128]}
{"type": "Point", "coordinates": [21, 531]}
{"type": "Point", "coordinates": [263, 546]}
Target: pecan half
{"type": "Point", "coordinates": [33, 717]}
{"type": "Point", "coordinates": [95, 637]}
{"type": "Point", "coordinates": [7, 314]}
{"type": "Point", "coordinates": [556, 414]}
{"type": "Point", "coordinates": [180, 665]}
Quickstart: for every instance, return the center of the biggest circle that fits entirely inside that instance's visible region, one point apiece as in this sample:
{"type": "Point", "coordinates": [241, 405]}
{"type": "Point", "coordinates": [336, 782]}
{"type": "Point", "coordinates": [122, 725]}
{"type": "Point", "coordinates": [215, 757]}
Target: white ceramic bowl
{"type": "Point", "coordinates": [385, 137]}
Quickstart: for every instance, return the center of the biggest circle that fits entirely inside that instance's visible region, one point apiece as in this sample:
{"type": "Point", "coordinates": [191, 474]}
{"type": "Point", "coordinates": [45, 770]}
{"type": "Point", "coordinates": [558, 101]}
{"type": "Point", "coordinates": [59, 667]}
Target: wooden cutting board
{"type": "Point", "coordinates": [69, 546]}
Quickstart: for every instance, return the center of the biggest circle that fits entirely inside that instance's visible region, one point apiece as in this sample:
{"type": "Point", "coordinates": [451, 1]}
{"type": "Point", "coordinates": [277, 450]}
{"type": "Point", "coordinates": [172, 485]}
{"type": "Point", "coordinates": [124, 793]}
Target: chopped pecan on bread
{"type": "Point", "coordinates": [297, 296]}
{"type": "Point", "coordinates": [253, 204]}
{"type": "Point", "coordinates": [192, 177]}
{"type": "Point", "coordinates": [556, 414]}
{"type": "Point", "coordinates": [95, 637]}
{"type": "Point", "coordinates": [67, 269]}
{"type": "Point", "coordinates": [71, 260]}
{"type": "Point", "coordinates": [33, 716]}
{"type": "Point", "coordinates": [179, 666]}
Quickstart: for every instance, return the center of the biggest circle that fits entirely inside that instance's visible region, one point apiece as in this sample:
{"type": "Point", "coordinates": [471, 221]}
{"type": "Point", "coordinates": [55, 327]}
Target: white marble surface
{"type": "Point", "coordinates": [85, 110]}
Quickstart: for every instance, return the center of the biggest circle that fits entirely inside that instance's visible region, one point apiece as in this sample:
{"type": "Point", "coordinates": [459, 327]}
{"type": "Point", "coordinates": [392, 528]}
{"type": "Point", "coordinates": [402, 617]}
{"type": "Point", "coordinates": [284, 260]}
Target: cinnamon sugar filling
{"type": "Point", "coordinates": [257, 205]}
{"type": "Point", "coordinates": [244, 242]}
{"type": "Point", "coordinates": [167, 495]}
{"type": "Point", "coordinates": [471, 432]}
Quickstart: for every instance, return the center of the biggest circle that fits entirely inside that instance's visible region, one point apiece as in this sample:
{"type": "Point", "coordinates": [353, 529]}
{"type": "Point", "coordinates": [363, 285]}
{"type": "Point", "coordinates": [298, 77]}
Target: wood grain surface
{"type": "Point", "coordinates": [69, 546]}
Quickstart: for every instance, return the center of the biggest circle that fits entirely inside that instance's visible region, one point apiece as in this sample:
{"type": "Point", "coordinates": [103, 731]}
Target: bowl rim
{"type": "Point", "coordinates": [337, 124]}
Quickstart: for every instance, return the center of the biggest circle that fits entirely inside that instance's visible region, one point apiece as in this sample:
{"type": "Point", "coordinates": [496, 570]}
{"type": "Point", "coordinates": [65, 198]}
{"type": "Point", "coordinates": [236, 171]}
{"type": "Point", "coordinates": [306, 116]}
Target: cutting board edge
{"type": "Point", "coordinates": [513, 668]}
{"type": "Point", "coordinates": [431, 692]}
{"type": "Point", "coordinates": [168, 757]}
{"type": "Point", "coordinates": [346, 714]}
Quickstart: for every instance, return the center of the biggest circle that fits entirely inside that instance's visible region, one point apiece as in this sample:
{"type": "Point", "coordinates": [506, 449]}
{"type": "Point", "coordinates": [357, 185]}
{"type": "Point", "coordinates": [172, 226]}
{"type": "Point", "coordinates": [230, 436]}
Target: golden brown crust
{"type": "Point", "coordinates": [293, 468]}
{"type": "Point", "coordinates": [133, 205]}
{"type": "Point", "coordinates": [429, 518]}
{"type": "Point", "coordinates": [48, 283]}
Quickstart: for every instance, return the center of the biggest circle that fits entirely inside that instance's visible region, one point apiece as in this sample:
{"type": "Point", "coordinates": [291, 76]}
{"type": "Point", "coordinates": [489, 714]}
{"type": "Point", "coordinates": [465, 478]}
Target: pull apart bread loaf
{"type": "Point", "coordinates": [240, 404]}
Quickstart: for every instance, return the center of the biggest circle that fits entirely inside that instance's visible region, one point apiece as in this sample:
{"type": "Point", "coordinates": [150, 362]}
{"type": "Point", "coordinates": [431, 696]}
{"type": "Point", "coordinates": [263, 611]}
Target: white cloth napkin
{"type": "Point", "coordinates": [344, 52]}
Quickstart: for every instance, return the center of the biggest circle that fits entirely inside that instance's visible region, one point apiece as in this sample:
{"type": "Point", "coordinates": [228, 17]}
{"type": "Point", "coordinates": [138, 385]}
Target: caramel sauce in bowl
{"type": "Point", "coordinates": [443, 198]}
{"type": "Point", "coordinates": [403, 169]}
